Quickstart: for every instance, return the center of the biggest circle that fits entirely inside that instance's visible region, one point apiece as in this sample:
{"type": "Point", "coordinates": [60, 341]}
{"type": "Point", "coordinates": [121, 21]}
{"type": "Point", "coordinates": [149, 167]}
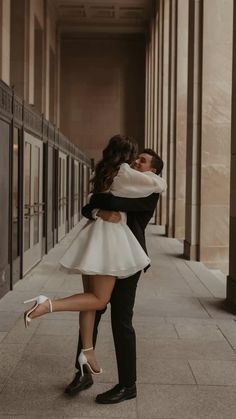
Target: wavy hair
{"type": "Point", "coordinates": [120, 149]}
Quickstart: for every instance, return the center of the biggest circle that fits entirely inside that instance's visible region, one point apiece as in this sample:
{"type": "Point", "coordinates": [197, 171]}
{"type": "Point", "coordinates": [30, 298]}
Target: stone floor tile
{"type": "Point", "coordinates": [2, 336]}
{"type": "Point", "coordinates": [29, 416]}
{"type": "Point", "coordinates": [58, 327]}
{"type": "Point", "coordinates": [185, 402]}
{"type": "Point", "coordinates": [19, 334]}
{"type": "Point", "coordinates": [10, 355]}
{"type": "Point", "coordinates": [229, 331]}
{"type": "Point", "coordinates": [194, 331]}
{"type": "Point", "coordinates": [216, 309]}
{"type": "Point", "coordinates": [18, 398]}
{"type": "Point", "coordinates": [186, 349]}
{"type": "Point", "coordinates": [162, 371]}
{"type": "Point", "coordinates": [54, 344]}
{"type": "Point", "coordinates": [7, 320]}
{"type": "Point", "coordinates": [170, 306]}
{"type": "Point", "coordinates": [214, 372]}
{"type": "Point", "coordinates": [197, 287]}
{"type": "Point", "coordinates": [216, 287]}
{"type": "Point", "coordinates": [186, 321]}
{"type": "Point", "coordinates": [150, 329]}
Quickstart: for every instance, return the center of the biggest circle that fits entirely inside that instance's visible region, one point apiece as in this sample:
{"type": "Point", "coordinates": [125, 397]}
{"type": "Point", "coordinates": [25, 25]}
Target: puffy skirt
{"type": "Point", "coordinates": [105, 248]}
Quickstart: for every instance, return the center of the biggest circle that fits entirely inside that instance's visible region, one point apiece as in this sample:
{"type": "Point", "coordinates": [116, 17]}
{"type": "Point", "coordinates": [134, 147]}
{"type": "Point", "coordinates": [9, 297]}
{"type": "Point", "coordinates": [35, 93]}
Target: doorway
{"type": "Point", "coordinates": [33, 205]}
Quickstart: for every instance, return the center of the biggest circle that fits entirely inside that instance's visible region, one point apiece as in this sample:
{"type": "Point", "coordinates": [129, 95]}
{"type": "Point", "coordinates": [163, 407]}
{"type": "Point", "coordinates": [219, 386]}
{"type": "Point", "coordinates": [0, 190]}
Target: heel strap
{"type": "Point", "coordinates": [50, 305]}
{"type": "Point", "coordinates": [87, 349]}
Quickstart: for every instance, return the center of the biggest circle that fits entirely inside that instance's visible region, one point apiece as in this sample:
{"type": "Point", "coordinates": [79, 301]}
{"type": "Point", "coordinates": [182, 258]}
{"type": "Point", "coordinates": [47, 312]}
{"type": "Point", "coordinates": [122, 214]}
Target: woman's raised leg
{"type": "Point", "coordinates": [86, 324]}
{"type": "Point", "coordinates": [97, 299]}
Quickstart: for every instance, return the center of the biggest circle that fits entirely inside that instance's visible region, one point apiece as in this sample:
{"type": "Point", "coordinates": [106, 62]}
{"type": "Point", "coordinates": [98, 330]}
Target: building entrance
{"type": "Point", "coordinates": [62, 195]}
{"type": "Point", "coordinates": [33, 205]}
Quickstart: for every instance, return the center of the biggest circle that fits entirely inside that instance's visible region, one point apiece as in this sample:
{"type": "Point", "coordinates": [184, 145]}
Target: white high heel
{"type": "Point", "coordinates": [84, 361]}
{"type": "Point", "coordinates": [38, 300]}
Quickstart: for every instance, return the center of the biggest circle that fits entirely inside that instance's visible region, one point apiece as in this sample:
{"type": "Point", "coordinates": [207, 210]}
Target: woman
{"type": "Point", "coordinates": [103, 251]}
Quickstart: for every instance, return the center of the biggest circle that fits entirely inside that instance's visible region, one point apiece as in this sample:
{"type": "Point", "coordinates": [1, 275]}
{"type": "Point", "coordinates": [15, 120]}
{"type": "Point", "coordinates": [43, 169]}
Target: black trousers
{"type": "Point", "coordinates": [122, 304]}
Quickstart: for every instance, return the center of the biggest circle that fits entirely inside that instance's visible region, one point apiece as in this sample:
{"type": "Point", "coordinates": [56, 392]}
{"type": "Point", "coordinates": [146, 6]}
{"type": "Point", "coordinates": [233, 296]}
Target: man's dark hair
{"type": "Point", "coordinates": [157, 162]}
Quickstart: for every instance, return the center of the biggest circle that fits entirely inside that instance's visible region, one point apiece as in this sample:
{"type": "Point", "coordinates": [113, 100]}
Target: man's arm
{"type": "Point", "coordinates": [109, 202]}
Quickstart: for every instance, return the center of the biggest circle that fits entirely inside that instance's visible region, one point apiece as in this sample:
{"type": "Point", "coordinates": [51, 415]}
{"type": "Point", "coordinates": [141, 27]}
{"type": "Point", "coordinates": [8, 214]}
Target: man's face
{"type": "Point", "coordinates": [143, 163]}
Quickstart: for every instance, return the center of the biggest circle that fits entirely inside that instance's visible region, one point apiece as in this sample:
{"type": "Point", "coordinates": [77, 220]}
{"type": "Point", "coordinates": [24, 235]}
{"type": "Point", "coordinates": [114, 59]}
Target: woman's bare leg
{"type": "Point", "coordinates": [86, 325]}
{"type": "Point", "coordinates": [102, 287]}
{"type": "Point", "coordinates": [97, 295]}
{"type": "Point", "coordinates": [86, 322]}
{"type": "Point", "coordinates": [86, 318]}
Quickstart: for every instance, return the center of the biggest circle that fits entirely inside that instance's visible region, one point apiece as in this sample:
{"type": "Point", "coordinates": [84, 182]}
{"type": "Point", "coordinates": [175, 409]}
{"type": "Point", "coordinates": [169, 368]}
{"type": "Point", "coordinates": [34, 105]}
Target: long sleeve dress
{"type": "Point", "coordinates": [105, 248]}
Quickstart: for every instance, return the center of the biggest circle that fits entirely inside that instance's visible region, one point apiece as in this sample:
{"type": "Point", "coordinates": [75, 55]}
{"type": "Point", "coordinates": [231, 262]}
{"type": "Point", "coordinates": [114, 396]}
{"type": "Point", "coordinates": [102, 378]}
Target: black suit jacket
{"type": "Point", "coordinates": [139, 211]}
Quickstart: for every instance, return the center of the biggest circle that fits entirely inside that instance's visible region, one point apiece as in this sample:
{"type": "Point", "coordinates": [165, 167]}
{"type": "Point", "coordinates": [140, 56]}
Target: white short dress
{"type": "Point", "coordinates": [105, 248]}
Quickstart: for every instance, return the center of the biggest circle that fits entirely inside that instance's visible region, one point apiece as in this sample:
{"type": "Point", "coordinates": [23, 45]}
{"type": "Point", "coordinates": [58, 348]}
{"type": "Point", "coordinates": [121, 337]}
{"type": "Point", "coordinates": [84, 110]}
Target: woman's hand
{"type": "Point", "coordinates": [110, 216]}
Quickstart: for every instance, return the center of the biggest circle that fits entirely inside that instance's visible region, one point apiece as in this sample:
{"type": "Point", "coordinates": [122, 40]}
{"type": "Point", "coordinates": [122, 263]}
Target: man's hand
{"type": "Point", "coordinates": [111, 216]}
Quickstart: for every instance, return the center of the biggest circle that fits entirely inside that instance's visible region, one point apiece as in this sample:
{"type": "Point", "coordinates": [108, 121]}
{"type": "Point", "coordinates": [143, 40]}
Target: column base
{"type": "Point", "coordinates": [231, 293]}
{"type": "Point", "coordinates": [191, 251]}
{"type": "Point", "coordinates": [170, 231]}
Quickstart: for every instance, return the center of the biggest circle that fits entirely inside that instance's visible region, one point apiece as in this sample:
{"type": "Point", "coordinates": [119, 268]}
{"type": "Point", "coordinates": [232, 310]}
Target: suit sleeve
{"type": "Point", "coordinates": [87, 211]}
{"type": "Point", "coordinates": [110, 202]}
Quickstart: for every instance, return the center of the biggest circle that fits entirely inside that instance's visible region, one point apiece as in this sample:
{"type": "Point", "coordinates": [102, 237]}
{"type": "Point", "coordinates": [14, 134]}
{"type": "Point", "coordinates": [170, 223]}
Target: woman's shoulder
{"type": "Point", "coordinates": [124, 166]}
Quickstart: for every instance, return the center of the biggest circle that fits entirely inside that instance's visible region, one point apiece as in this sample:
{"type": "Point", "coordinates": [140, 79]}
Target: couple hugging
{"type": "Point", "coordinates": [110, 253]}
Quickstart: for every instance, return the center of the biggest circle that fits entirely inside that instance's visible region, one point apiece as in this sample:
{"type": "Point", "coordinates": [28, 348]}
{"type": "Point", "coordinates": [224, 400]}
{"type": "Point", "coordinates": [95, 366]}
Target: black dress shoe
{"type": "Point", "coordinates": [79, 383]}
{"type": "Point", "coordinates": [117, 394]}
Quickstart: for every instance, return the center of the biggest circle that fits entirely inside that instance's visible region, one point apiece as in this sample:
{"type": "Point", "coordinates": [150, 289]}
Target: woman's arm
{"type": "Point", "coordinates": [130, 183]}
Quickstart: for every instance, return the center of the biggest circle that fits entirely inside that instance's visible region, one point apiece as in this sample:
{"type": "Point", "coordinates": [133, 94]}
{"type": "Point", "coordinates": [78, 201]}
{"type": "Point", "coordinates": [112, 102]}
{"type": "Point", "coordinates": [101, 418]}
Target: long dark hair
{"type": "Point", "coordinates": [120, 149]}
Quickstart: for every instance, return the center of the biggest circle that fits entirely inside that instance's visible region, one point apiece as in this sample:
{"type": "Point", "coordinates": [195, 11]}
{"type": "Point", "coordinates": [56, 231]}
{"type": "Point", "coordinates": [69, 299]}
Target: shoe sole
{"type": "Point", "coordinates": [76, 391]}
{"type": "Point", "coordinates": [115, 401]}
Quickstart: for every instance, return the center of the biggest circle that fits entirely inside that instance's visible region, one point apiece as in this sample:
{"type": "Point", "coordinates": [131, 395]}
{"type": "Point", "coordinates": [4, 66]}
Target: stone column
{"type": "Point", "coordinates": [216, 127]}
{"type": "Point", "coordinates": [152, 92]}
{"type": "Point", "coordinates": [231, 280]}
{"type": "Point", "coordinates": [5, 40]}
{"type": "Point", "coordinates": [165, 104]}
{"type": "Point", "coordinates": [171, 133]}
{"type": "Point", "coordinates": [160, 75]}
{"type": "Point", "coordinates": [146, 93]}
{"type": "Point", "coordinates": [208, 138]}
{"type": "Point", "coordinates": [155, 97]}
{"type": "Point", "coordinates": [181, 118]}
{"type": "Point", "coordinates": [160, 28]}
{"type": "Point", "coordinates": [58, 71]}
{"type": "Point", "coordinates": [191, 242]}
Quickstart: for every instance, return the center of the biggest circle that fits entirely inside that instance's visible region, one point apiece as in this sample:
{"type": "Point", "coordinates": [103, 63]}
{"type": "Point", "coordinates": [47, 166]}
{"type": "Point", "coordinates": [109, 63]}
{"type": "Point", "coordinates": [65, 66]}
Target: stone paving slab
{"type": "Point", "coordinates": [186, 349]}
{"type": "Point", "coordinates": [18, 398]}
{"type": "Point", "coordinates": [206, 332]}
{"type": "Point", "coordinates": [185, 402]}
{"type": "Point", "coordinates": [208, 372]}
{"type": "Point", "coordinates": [7, 320]}
{"type": "Point", "coordinates": [162, 371]}
{"type": "Point", "coordinates": [2, 335]}
{"type": "Point", "coordinates": [173, 306]}
{"type": "Point", "coordinates": [207, 278]}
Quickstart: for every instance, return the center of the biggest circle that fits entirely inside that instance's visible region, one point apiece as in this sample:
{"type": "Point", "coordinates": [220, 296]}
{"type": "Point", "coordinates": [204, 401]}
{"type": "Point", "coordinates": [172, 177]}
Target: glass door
{"type": "Point", "coordinates": [85, 185]}
{"type": "Point", "coordinates": [62, 195]}
{"type": "Point", "coordinates": [76, 192]}
{"type": "Point", "coordinates": [33, 205]}
{"type": "Point", "coordinates": [15, 207]}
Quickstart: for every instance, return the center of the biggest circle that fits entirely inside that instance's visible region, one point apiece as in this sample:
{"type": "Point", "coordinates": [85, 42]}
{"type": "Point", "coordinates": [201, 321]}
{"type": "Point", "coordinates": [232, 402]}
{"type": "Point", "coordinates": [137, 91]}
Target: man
{"type": "Point", "coordinates": [139, 212]}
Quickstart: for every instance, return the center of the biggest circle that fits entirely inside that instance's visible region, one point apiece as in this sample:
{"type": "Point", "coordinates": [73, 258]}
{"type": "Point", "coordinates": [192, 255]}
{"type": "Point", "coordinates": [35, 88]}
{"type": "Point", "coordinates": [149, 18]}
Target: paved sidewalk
{"type": "Point", "coordinates": [186, 345]}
